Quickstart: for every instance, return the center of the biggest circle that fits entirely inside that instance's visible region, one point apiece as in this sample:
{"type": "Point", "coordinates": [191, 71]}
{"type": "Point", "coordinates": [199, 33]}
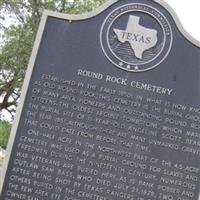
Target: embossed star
{"type": "Point", "coordinates": [121, 64]}
{"type": "Point", "coordinates": [136, 67]}
{"type": "Point", "coordinates": [128, 66]}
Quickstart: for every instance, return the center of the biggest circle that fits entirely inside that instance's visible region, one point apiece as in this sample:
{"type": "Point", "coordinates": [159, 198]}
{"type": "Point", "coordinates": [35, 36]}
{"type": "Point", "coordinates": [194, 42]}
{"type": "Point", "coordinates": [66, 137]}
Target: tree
{"type": "Point", "coordinates": [19, 38]}
{"type": "Point", "coordinates": [16, 45]}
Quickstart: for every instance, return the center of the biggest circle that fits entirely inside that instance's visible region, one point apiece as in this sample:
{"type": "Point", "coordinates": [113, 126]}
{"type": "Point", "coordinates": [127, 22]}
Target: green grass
{"type": "Point", "coordinates": [4, 133]}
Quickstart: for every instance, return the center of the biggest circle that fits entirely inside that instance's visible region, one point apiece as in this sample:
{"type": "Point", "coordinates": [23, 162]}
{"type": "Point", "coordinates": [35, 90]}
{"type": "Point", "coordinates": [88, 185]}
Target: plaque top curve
{"type": "Point", "coordinates": [108, 3]}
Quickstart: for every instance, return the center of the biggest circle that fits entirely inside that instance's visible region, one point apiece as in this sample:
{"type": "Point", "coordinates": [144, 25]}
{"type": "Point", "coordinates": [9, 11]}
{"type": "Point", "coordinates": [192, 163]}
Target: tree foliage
{"type": "Point", "coordinates": [16, 43]}
{"type": "Point", "coordinates": [19, 37]}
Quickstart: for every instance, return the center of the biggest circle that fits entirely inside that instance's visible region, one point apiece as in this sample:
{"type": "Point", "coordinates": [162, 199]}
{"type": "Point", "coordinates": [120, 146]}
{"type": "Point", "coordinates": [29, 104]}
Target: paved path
{"type": "Point", "coordinates": [1, 173]}
{"type": "Point", "coordinates": [1, 162]}
{"type": "Point", "coordinates": [0, 167]}
{"type": "Point", "coordinates": [2, 154]}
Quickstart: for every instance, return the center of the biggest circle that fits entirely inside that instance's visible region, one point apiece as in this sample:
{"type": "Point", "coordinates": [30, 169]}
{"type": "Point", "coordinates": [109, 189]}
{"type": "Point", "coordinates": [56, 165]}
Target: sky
{"type": "Point", "coordinates": [188, 12]}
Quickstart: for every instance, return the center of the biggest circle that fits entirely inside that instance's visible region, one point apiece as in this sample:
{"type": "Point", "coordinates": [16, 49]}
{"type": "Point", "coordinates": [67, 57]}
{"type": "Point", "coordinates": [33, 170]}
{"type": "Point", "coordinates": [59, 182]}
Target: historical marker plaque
{"type": "Point", "coordinates": [110, 109]}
